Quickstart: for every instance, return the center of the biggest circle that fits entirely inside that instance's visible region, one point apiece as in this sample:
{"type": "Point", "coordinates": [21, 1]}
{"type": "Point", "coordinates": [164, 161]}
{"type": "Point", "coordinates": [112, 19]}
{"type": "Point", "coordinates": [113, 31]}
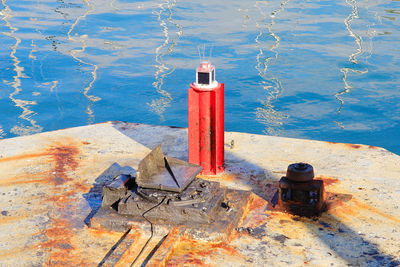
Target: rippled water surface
{"type": "Point", "coordinates": [326, 70]}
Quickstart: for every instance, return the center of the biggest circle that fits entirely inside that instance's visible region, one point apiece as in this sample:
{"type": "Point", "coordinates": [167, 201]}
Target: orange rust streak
{"type": "Point", "coordinates": [58, 232]}
{"type": "Point", "coordinates": [327, 180]}
{"type": "Point", "coordinates": [14, 252]}
{"type": "Point", "coordinates": [257, 220]}
{"type": "Point", "coordinates": [11, 219]}
{"type": "Point", "coordinates": [60, 247]}
{"type": "Point", "coordinates": [353, 146]}
{"type": "Point", "coordinates": [257, 202]}
{"type": "Point", "coordinates": [103, 232]}
{"type": "Point", "coordinates": [131, 252]}
{"type": "Point", "coordinates": [254, 214]}
{"type": "Point", "coordinates": [25, 156]}
{"type": "Point", "coordinates": [45, 178]}
{"type": "Point", "coordinates": [81, 187]}
{"type": "Point", "coordinates": [166, 249]}
{"type": "Point", "coordinates": [375, 210]}
{"type": "Point", "coordinates": [186, 261]}
{"type": "Point", "coordinates": [23, 181]}
{"type": "Point", "coordinates": [26, 178]}
{"type": "Point", "coordinates": [192, 252]}
{"type": "Point", "coordinates": [59, 198]}
{"type": "Point", "coordinates": [335, 200]}
{"type": "Point", "coordinates": [228, 177]}
{"type": "Point", "coordinates": [247, 208]}
{"type": "Point", "coordinates": [59, 238]}
{"type": "Point", "coordinates": [225, 247]}
{"type": "Point", "coordinates": [225, 177]}
{"type": "Point", "coordinates": [64, 157]}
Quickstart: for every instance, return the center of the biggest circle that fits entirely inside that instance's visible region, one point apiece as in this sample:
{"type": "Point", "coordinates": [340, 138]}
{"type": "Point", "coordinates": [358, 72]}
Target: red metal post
{"type": "Point", "coordinates": [206, 125]}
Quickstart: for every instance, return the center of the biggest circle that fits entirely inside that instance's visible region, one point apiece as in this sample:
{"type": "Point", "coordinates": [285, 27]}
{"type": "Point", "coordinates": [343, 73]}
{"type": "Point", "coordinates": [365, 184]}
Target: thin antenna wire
{"type": "Point", "coordinates": [201, 49]}
{"type": "Point", "coordinates": [210, 57]}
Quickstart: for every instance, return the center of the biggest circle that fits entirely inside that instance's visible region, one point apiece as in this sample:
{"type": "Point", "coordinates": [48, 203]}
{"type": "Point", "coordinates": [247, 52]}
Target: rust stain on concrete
{"type": "Point", "coordinates": [327, 180]}
{"type": "Point", "coordinates": [62, 154]}
{"type": "Point", "coordinates": [24, 156]}
{"type": "Point", "coordinates": [25, 178]}
{"type": "Point", "coordinates": [189, 252]}
{"type": "Point", "coordinates": [347, 145]}
{"type": "Point", "coordinates": [64, 158]}
{"type": "Point", "coordinates": [364, 206]}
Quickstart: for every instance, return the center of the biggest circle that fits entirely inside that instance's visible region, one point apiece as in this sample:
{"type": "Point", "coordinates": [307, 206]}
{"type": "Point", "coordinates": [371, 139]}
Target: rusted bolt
{"type": "Point", "coordinates": [299, 193]}
{"type": "Point", "coordinates": [300, 172]}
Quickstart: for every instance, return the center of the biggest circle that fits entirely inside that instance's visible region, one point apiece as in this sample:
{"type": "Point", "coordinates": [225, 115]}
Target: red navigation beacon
{"type": "Point", "coordinates": [206, 120]}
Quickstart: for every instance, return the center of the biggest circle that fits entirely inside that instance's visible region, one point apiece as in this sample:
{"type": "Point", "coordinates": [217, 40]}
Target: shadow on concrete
{"type": "Point", "coordinates": [94, 196]}
{"type": "Point", "coordinates": [335, 234]}
{"type": "Point", "coordinates": [342, 240]}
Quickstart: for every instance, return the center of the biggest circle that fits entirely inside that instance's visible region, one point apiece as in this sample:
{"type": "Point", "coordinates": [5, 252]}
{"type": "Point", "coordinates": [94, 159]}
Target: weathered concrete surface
{"type": "Point", "coordinates": [50, 185]}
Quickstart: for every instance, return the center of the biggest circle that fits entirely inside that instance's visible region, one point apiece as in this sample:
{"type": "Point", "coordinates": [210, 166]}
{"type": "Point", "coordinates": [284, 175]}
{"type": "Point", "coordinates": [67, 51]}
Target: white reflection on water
{"type": "Point", "coordinates": [352, 58]}
{"type": "Point", "coordinates": [27, 113]}
{"type": "Point", "coordinates": [164, 16]}
{"type": "Point", "coordinates": [267, 114]}
{"type": "Point", "coordinates": [33, 50]}
{"type": "Point", "coordinates": [246, 17]}
{"type": "Point", "coordinates": [81, 39]}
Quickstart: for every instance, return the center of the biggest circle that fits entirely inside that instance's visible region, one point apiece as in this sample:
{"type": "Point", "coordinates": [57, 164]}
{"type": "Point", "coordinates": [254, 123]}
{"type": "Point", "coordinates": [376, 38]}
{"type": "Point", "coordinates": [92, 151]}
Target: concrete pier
{"type": "Point", "coordinates": [50, 188]}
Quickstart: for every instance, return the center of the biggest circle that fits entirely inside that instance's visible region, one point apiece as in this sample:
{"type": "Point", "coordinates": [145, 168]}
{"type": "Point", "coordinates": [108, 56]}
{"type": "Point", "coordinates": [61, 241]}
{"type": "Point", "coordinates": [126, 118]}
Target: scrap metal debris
{"type": "Point", "coordinates": [165, 191]}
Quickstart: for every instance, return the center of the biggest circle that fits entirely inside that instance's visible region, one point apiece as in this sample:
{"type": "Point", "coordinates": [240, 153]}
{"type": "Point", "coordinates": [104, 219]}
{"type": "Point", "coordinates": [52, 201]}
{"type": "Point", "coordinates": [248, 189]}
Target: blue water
{"type": "Point", "coordinates": [326, 70]}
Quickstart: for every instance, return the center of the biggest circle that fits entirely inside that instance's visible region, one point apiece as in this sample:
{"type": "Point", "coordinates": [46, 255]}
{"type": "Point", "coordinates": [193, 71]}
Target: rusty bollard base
{"type": "Point", "coordinates": [301, 198]}
{"type": "Point", "coordinates": [299, 193]}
